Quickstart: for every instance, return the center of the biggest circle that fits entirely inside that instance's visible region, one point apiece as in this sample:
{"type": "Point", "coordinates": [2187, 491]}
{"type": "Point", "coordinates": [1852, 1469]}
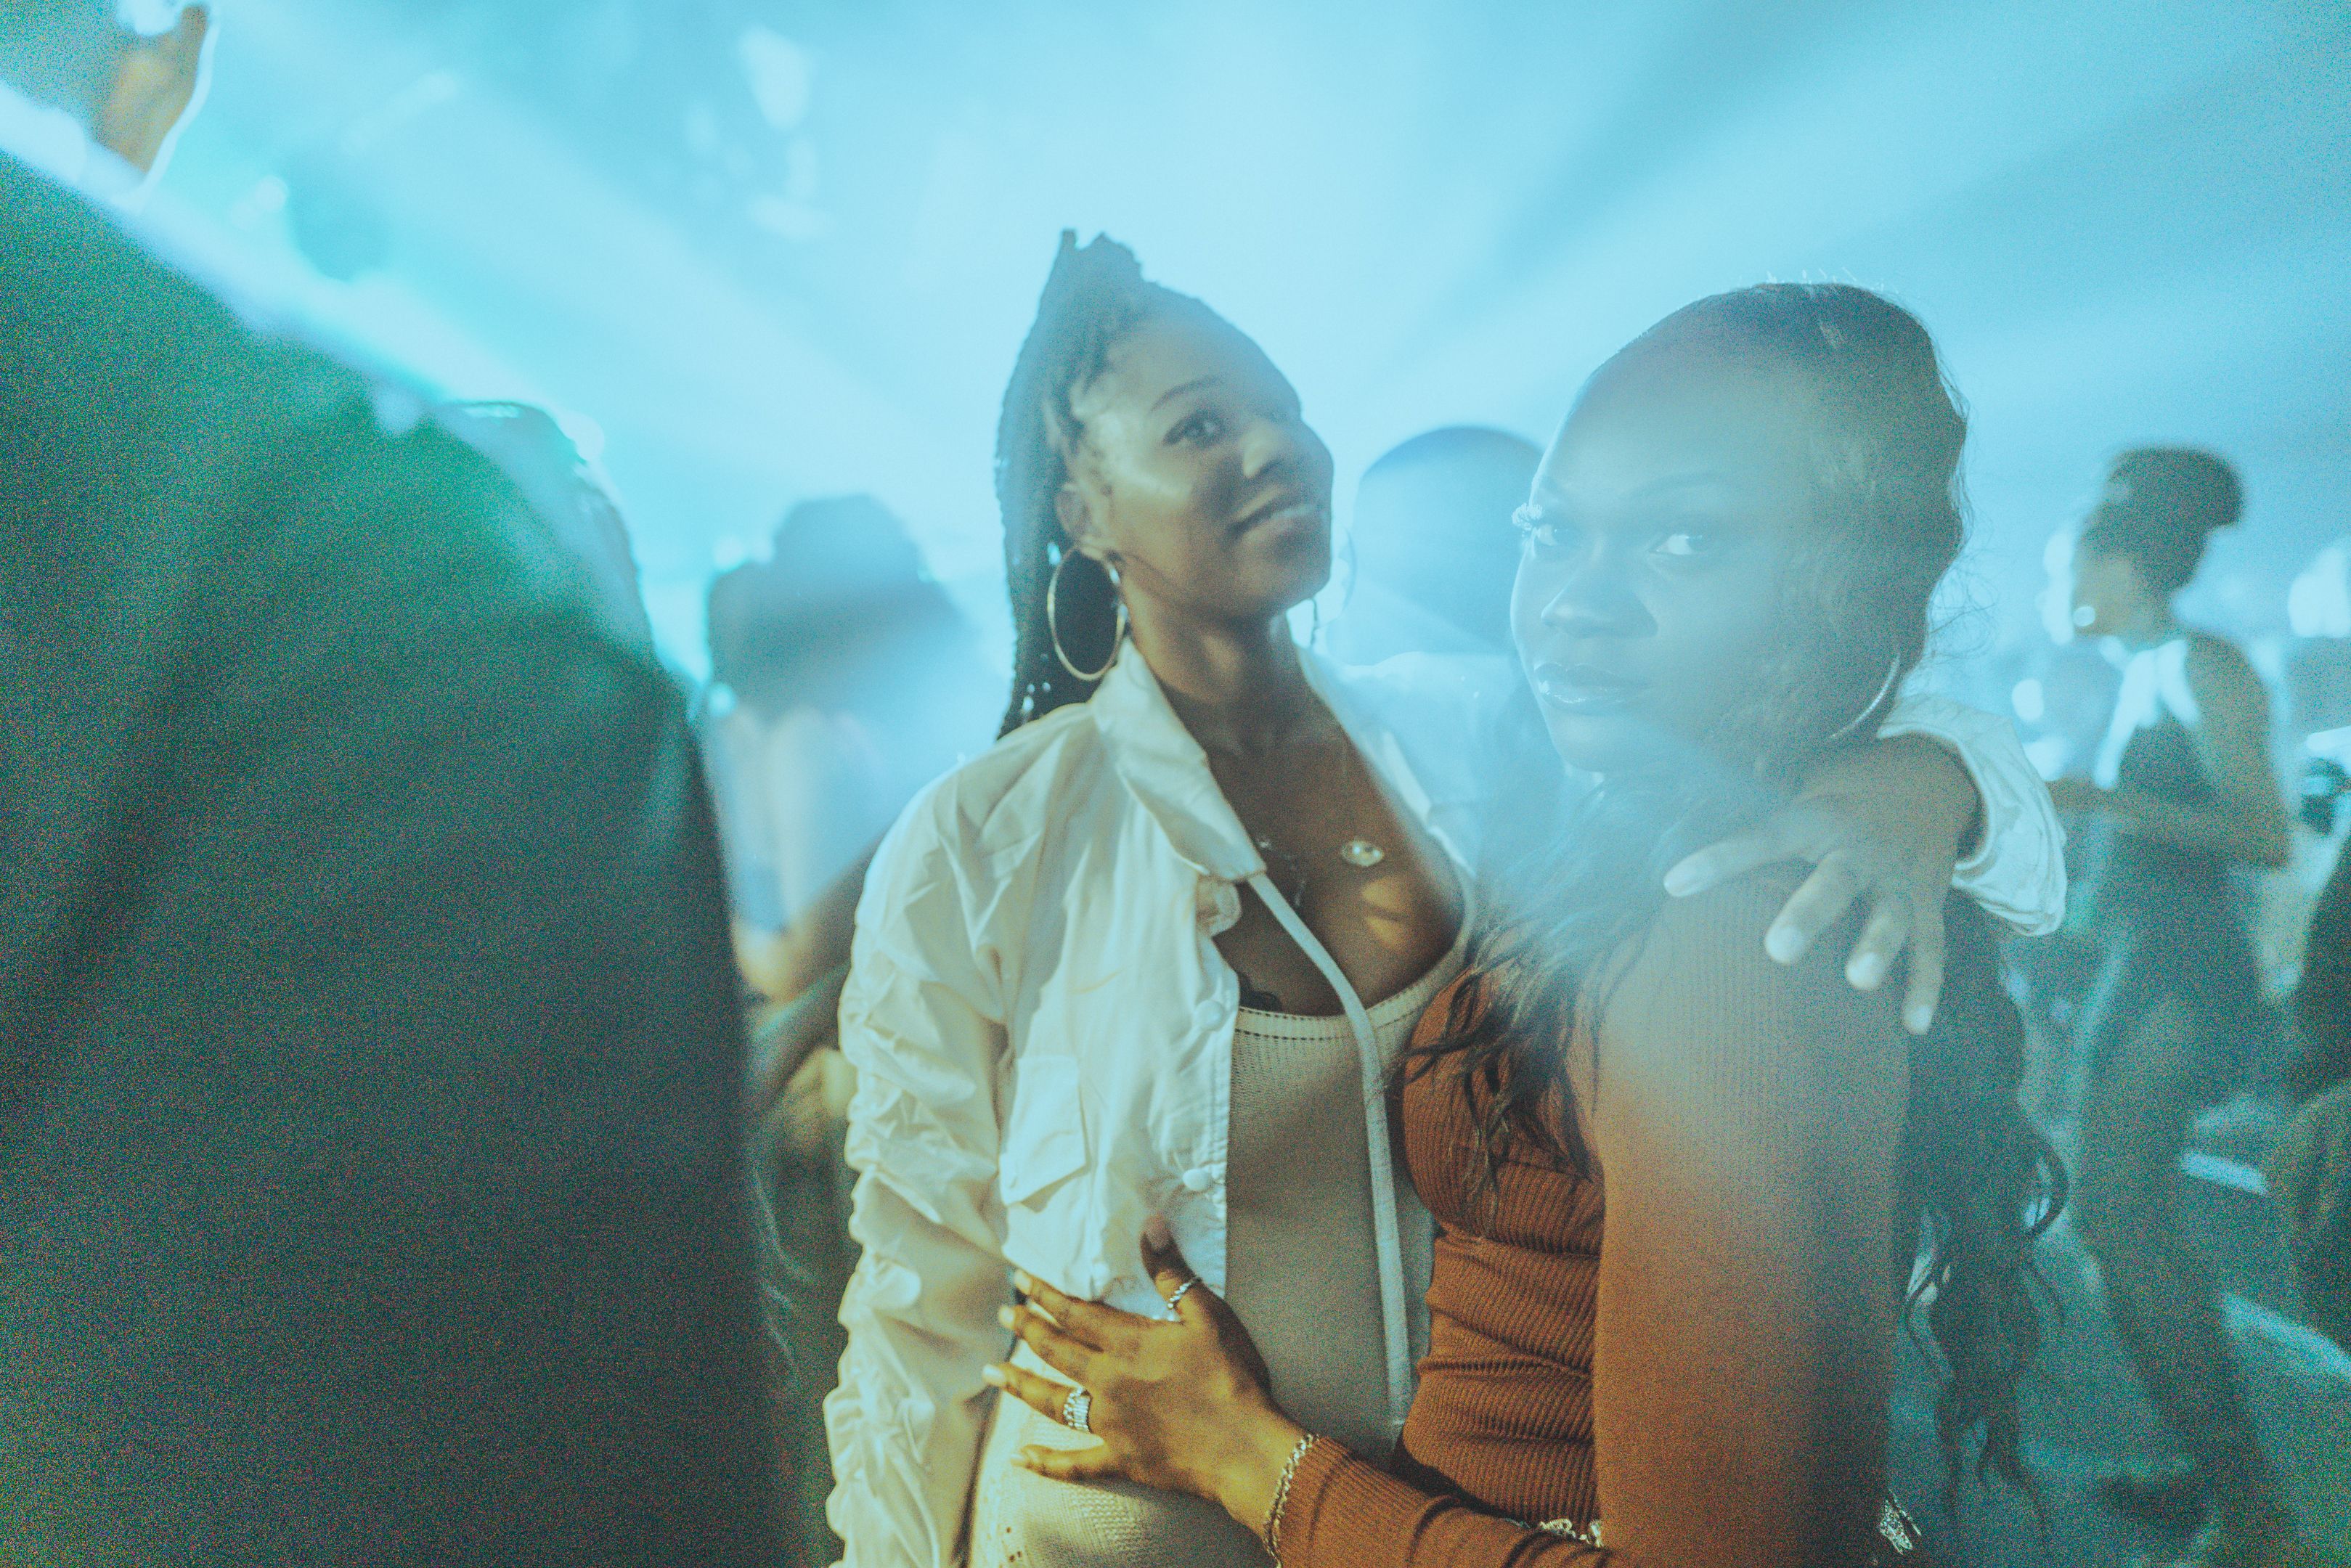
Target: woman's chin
{"type": "Point", "coordinates": [1293, 583]}
{"type": "Point", "coordinates": [1606, 741]}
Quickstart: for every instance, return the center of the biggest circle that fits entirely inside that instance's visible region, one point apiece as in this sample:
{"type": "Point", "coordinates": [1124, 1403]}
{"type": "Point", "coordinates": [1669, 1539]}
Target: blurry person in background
{"type": "Point", "coordinates": [2317, 680]}
{"type": "Point", "coordinates": [2309, 1167]}
{"type": "Point", "coordinates": [1433, 548]}
{"type": "Point", "coordinates": [2312, 744]}
{"type": "Point", "coordinates": [371, 1188]}
{"type": "Point", "coordinates": [852, 681]}
{"type": "Point", "coordinates": [733, 618]}
{"type": "Point", "coordinates": [565, 488]}
{"type": "Point", "coordinates": [2302, 1393]}
{"type": "Point", "coordinates": [2185, 790]}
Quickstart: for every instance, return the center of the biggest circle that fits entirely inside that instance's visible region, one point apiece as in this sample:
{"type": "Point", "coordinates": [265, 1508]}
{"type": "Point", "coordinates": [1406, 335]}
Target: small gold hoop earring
{"type": "Point", "coordinates": [1053, 624]}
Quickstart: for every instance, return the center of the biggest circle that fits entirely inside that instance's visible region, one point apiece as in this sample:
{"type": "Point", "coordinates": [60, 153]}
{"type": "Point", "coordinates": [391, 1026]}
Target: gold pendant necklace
{"type": "Point", "coordinates": [1361, 853]}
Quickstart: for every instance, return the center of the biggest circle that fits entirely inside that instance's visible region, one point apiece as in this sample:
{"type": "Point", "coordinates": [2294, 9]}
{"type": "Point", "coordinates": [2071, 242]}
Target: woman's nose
{"type": "Point", "coordinates": [1594, 596]}
{"type": "Point", "coordinates": [1271, 444]}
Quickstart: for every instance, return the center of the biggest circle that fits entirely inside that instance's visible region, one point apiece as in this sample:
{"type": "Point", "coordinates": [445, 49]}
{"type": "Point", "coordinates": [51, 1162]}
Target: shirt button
{"type": "Point", "coordinates": [1199, 1179]}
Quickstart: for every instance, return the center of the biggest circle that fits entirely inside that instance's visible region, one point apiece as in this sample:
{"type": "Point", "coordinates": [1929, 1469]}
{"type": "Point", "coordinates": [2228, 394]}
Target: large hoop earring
{"type": "Point", "coordinates": [1053, 625]}
{"type": "Point", "coordinates": [1884, 690]}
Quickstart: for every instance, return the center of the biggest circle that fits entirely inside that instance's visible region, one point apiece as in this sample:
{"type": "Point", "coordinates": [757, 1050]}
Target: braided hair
{"type": "Point", "coordinates": [1094, 298]}
{"type": "Point", "coordinates": [1855, 604]}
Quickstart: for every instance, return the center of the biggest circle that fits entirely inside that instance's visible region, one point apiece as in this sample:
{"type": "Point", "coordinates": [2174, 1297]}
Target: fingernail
{"type": "Point", "coordinates": [993, 1376]}
{"type": "Point", "coordinates": [1681, 882]}
{"type": "Point", "coordinates": [1004, 1316]}
{"type": "Point", "coordinates": [1866, 971]}
{"type": "Point", "coordinates": [1784, 945]}
{"type": "Point", "coordinates": [1919, 1019]}
{"type": "Point", "coordinates": [1022, 1282]}
{"type": "Point", "coordinates": [1026, 1458]}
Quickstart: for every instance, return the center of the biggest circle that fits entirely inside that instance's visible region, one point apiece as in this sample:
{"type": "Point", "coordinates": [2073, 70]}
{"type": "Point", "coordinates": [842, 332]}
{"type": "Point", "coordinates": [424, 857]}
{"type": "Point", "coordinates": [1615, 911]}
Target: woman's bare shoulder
{"type": "Point", "coordinates": [1697, 992]}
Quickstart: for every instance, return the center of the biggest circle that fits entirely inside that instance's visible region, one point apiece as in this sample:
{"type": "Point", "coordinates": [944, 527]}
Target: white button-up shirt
{"type": "Point", "coordinates": [1042, 1030]}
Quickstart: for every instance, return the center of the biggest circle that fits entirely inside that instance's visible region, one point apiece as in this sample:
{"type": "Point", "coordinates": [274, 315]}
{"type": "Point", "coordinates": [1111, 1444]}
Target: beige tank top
{"type": "Point", "coordinates": [1301, 1266]}
{"type": "Point", "coordinates": [1302, 1273]}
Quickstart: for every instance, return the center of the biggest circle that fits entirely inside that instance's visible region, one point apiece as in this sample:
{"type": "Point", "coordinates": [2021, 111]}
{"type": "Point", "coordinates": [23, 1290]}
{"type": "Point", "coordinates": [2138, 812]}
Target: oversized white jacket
{"type": "Point", "coordinates": [1042, 1030]}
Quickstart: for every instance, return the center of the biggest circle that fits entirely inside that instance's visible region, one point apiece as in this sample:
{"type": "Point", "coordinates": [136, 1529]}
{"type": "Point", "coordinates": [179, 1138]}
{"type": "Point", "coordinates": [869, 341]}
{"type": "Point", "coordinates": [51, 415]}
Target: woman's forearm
{"type": "Point", "coordinates": [1250, 1481]}
{"type": "Point", "coordinates": [1908, 787]}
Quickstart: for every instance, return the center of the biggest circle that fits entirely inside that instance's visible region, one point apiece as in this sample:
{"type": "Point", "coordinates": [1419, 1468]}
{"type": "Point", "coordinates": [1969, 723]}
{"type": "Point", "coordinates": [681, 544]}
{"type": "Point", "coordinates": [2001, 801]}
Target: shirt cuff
{"type": "Point", "coordinates": [2017, 871]}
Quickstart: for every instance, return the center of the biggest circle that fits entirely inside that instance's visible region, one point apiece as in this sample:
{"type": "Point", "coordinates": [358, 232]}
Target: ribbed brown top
{"type": "Point", "coordinates": [1713, 1385]}
{"type": "Point", "coordinates": [1505, 1406]}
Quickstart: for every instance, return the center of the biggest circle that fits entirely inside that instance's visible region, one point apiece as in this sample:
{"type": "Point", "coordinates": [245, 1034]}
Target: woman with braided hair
{"type": "Point", "coordinates": [1156, 954]}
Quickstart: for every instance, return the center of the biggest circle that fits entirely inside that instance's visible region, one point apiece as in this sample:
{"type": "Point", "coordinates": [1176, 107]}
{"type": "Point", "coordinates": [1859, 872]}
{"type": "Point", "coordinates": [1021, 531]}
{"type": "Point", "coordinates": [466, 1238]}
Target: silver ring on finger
{"type": "Point", "coordinates": [1077, 1411]}
{"type": "Point", "coordinates": [1176, 1300]}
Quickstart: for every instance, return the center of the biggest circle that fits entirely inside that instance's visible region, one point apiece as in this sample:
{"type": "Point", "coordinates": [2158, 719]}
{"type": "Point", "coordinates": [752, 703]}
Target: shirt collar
{"type": "Point", "coordinates": [1169, 772]}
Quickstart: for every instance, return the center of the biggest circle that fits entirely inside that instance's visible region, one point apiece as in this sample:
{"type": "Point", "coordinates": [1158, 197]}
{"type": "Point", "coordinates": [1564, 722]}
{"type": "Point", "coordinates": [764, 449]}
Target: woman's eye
{"type": "Point", "coordinates": [1200, 429]}
{"type": "Point", "coordinates": [1689, 542]}
{"type": "Point", "coordinates": [1542, 533]}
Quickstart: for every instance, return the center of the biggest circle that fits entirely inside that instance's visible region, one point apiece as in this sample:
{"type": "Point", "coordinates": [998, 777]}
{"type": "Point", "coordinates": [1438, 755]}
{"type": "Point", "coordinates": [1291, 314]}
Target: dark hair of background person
{"type": "Point", "coordinates": [1432, 523]}
{"type": "Point", "coordinates": [1857, 599]}
{"type": "Point", "coordinates": [842, 594]}
{"type": "Point", "coordinates": [1094, 296]}
{"type": "Point", "coordinates": [2162, 505]}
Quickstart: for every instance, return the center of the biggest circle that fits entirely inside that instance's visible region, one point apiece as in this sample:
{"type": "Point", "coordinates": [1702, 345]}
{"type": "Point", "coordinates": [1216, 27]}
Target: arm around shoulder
{"type": "Point", "coordinates": [2016, 869]}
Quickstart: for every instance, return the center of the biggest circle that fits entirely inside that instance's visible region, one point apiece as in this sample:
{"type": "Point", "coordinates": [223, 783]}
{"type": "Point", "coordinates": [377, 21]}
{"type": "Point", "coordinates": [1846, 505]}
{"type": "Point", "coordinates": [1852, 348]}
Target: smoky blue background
{"type": "Point", "coordinates": [771, 250]}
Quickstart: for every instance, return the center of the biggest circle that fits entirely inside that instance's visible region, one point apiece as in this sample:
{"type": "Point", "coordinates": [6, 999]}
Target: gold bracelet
{"type": "Point", "coordinates": [1271, 1533]}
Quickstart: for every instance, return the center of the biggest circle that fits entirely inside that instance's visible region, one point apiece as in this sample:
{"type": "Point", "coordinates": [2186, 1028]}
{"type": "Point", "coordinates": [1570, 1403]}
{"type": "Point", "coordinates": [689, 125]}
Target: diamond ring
{"type": "Point", "coordinates": [1076, 1410]}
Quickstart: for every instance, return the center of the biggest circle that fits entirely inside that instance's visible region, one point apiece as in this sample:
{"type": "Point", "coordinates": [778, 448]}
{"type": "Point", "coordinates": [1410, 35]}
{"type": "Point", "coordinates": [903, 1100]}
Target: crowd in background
{"type": "Point", "coordinates": [338, 721]}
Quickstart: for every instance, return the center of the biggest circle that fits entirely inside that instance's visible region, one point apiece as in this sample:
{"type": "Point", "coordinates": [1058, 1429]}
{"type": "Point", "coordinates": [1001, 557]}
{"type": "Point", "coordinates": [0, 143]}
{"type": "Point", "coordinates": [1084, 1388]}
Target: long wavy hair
{"type": "Point", "coordinates": [1853, 621]}
{"type": "Point", "coordinates": [1095, 296]}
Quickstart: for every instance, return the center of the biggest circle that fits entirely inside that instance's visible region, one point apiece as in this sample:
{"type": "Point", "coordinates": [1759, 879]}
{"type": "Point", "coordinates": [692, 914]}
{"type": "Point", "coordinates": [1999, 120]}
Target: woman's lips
{"type": "Point", "coordinates": [1298, 515]}
{"type": "Point", "coordinates": [1585, 689]}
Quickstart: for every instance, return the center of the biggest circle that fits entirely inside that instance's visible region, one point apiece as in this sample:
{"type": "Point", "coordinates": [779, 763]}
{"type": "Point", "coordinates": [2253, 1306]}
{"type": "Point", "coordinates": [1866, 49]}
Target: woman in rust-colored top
{"type": "Point", "coordinates": [1682, 1187]}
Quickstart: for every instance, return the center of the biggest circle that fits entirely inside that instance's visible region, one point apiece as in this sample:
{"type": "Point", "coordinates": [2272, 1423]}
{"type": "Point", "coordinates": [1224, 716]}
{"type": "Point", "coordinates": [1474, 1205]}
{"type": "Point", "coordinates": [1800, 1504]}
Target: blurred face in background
{"type": "Point", "coordinates": [1199, 479]}
{"type": "Point", "coordinates": [1432, 525]}
{"type": "Point", "coordinates": [2109, 595]}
